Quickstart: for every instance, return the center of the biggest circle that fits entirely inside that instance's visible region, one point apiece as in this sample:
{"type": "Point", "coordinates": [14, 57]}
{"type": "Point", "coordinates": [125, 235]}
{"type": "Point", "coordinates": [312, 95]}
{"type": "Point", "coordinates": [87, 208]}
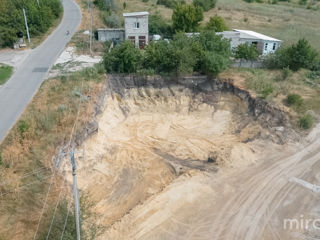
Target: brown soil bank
{"type": "Point", "coordinates": [161, 141]}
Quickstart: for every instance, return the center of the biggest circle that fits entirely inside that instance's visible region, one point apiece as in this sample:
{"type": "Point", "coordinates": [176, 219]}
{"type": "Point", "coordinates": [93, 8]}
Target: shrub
{"type": "Point", "coordinates": [286, 72]}
{"type": "Point", "coordinates": [294, 99]}
{"type": "Point", "coordinates": [306, 121]}
{"type": "Point", "coordinates": [302, 55]}
{"type": "Point", "coordinates": [157, 25]}
{"type": "Point", "coordinates": [106, 5]}
{"type": "Point", "coordinates": [267, 90]}
{"type": "Point", "coordinates": [1, 162]}
{"type": "Point", "coordinates": [313, 75]}
{"type": "Point", "coordinates": [206, 53]}
{"type": "Point", "coordinates": [216, 24]}
{"type": "Point", "coordinates": [216, 53]}
{"type": "Point", "coordinates": [112, 21]}
{"type": "Point", "coordinates": [206, 5]}
{"type": "Point", "coordinates": [23, 127]}
{"type": "Point", "coordinates": [302, 2]}
{"type": "Point", "coordinates": [299, 55]}
{"type": "Point", "coordinates": [178, 56]}
{"type": "Point", "coordinates": [170, 3]}
{"type": "Point", "coordinates": [186, 18]}
{"type": "Point", "coordinates": [124, 58]}
{"type": "Point", "coordinates": [247, 52]}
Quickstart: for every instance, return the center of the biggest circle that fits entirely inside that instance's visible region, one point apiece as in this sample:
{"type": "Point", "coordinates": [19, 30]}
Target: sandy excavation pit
{"type": "Point", "coordinates": [149, 158]}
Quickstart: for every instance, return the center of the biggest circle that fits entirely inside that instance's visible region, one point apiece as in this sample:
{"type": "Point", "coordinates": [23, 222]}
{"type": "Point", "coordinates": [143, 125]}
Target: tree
{"type": "Point", "coordinates": [180, 56]}
{"type": "Point", "coordinates": [301, 55]}
{"type": "Point", "coordinates": [186, 18]}
{"type": "Point", "coordinates": [124, 58]}
{"type": "Point", "coordinates": [216, 24]}
{"type": "Point", "coordinates": [157, 25]}
{"type": "Point", "coordinates": [206, 5]}
{"type": "Point", "coordinates": [216, 53]}
{"type": "Point", "coordinates": [39, 18]}
{"type": "Point", "coordinates": [296, 56]}
{"type": "Point", "coordinates": [247, 52]}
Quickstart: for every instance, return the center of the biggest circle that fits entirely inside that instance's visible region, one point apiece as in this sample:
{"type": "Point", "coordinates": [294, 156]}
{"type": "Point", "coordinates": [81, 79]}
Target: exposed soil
{"type": "Point", "coordinates": [166, 150]}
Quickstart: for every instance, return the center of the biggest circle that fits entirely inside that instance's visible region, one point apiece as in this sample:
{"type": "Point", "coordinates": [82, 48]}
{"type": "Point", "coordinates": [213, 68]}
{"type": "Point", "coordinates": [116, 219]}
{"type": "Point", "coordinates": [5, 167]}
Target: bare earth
{"type": "Point", "coordinates": [147, 171]}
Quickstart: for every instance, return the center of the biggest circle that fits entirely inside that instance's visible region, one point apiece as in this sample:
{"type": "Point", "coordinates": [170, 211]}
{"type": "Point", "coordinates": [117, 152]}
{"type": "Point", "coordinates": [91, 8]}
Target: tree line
{"type": "Point", "coordinates": [40, 18]}
{"type": "Point", "coordinates": [205, 53]}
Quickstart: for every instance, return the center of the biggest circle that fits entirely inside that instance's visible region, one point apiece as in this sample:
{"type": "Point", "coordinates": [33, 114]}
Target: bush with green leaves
{"type": "Point", "coordinates": [294, 99]}
{"type": "Point", "coordinates": [124, 58]}
{"type": "Point", "coordinates": [215, 53]}
{"type": "Point", "coordinates": [267, 90]}
{"type": "Point", "coordinates": [286, 72]}
{"type": "Point", "coordinates": [39, 18]}
{"type": "Point", "coordinates": [296, 56]}
{"type": "Point", "coordinates": [217, 24]}
{"type": "Point", "coordinates": [23, 126]}
{"type": "Point", "coordinates": [177, 57]}
{"type": "Point", "coordinates": [204, 53]}
{"type": "Point", "coordinates": [187, 18]}
{"type": "Point", "coordinates": [246, 52]}
{"type": "Point", "coordinates": [112, 21]}
{"type": "Point", "coordinates": [306, 121]}
{"type": "Point", "coordinates": [206, 5]}
{"type": "Point", "coordinates": [105, 5]}
{"type": "Point", "coordinates": [170, 3]}
{"type": "Point", "coordinates": [157, 25]}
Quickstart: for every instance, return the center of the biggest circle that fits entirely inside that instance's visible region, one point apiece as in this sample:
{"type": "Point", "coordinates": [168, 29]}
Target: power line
{"type": "Point", "coordinates": [55, 210]}
{"type": "Point", "coordinates": [45, 202]}
{"type": "Point", "coordinates": [66, 220]}
{"type": "Point", "coordinates": [23, 186]}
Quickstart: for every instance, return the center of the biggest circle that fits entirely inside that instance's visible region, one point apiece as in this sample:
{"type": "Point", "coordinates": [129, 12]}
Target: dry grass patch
{"type": "Point", "coordinates": [276, 85]}
{"type": "Point", "coordinates": [28, 150]}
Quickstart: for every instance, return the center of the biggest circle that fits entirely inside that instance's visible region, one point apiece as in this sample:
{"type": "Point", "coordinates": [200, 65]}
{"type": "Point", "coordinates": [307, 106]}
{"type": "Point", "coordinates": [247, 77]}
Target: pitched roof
{"type": "Point", "coordinates": [254, 35]}
{"type": "Point", "coordinates": [133, 14]}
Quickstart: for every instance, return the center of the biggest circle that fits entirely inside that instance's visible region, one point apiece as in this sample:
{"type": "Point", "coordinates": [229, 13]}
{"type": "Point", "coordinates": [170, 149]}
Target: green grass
{"type": "Point", "coordinates": [5, 73]}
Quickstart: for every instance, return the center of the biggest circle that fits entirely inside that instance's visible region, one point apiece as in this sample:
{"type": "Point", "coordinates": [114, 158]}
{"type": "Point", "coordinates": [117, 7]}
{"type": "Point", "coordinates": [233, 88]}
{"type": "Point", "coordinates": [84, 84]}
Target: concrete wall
{"type": "Point", "coordinates": [111, 35]}
{"type": "Point", "coordinates": [132, 31]}
{"type": "Point", "coordinates": [248, 64]}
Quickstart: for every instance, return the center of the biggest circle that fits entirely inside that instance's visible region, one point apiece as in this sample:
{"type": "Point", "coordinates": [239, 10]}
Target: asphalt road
{"type": "Point", "coordinates": [16, 94]}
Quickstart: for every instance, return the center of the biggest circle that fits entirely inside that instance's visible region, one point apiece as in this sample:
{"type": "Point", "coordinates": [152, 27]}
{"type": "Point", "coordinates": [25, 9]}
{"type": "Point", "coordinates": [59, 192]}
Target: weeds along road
{"type": "Point", "coordinates": [16, 94]}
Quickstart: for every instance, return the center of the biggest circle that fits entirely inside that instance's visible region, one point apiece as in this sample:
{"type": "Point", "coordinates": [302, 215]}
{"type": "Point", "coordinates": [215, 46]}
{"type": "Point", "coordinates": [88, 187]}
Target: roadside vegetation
{"type": "Point", "coordinates": [5, 73]}
{"type": "Point", "coordinates": [26, 162]}
{"type": "Point", "coordinates": [40, 18]}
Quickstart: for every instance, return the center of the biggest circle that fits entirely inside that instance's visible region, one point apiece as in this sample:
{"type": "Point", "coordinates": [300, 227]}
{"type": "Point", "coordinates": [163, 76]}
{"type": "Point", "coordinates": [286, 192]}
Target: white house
{"type": "Point", "coordinates": [265, 44]}
{"type": "Point", "coordinates": [136, 25]}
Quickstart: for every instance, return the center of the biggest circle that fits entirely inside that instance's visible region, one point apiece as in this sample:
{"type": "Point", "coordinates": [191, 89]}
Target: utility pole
{"type": "Point", "coordinates": [91, 33]}
{"type": "Point", "coordinates": [75, 193]}
{"type": "Point", "coordinates": [25, 19]}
